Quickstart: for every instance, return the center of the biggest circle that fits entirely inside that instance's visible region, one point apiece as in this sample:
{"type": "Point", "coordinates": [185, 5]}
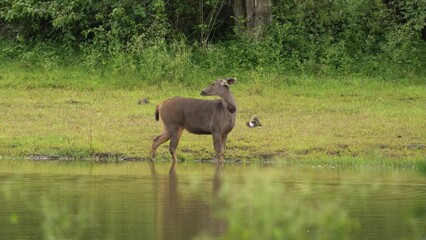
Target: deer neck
{"type": "Point", "coordinates": [228, 102]}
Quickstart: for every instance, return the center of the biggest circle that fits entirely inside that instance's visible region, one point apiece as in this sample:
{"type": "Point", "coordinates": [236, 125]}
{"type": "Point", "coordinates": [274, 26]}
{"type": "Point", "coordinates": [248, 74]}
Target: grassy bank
{"type": "Point", "coordinates": [83, 115]}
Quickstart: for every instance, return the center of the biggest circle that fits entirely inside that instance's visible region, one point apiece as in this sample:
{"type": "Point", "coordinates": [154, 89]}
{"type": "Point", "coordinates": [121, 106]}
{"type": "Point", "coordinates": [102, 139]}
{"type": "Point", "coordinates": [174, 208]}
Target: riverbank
{"type": "Point", "coordinates": [349, 118]}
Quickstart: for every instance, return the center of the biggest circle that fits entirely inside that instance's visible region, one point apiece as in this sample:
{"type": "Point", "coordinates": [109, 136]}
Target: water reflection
{"type": "Point", "coordinates": [217, 179]}
{"type": "Point", "coordinates": [183, 216]}
{"type": "Point", "coordinates": [65, 221]}
{"type": "Point", "coordinates": [54, 200]}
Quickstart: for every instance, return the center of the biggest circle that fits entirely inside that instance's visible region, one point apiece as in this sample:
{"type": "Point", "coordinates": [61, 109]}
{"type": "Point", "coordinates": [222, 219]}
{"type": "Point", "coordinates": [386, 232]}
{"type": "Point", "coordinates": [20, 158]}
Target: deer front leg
{"type": "Point", "coordinates": [218, 146]}
{"type": "Point", "coordinates": [224, 137]}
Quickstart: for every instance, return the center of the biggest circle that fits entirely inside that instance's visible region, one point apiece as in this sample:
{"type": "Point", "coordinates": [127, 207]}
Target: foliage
{"type": "Point", "coordinates": [261, 209]}
{"type": "Point", "coordinates": [169, 41]}
{"type": "Point", "coordinates": [422, 167]}
{"type": "Point", "coordinates": [74, 21]}
{"type": "Point", "coordinates": [347, 36]}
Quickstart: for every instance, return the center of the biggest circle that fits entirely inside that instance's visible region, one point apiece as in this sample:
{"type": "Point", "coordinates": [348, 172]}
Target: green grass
{"type": "Point", "coordinates": [78, 113]}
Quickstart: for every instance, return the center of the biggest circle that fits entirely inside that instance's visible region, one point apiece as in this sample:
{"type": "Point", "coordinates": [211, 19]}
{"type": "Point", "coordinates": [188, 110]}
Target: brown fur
{"type": "Point", "coordinates": [215, 117]}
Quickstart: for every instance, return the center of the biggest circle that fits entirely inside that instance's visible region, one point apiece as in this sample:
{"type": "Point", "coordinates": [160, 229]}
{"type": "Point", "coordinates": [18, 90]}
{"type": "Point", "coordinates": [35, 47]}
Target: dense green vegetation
{"type": "Point", "coordinates": [157, 41]}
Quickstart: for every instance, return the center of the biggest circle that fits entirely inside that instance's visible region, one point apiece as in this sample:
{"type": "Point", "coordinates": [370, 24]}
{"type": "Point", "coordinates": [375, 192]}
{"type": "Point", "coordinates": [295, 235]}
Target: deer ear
{"type": "Point", "coordinates": [230, 81]}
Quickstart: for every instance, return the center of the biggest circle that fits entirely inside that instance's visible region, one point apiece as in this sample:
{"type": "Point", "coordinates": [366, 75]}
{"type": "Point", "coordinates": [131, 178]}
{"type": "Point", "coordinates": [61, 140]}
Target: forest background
{"type": "Point", "coordinates": [181, 41]}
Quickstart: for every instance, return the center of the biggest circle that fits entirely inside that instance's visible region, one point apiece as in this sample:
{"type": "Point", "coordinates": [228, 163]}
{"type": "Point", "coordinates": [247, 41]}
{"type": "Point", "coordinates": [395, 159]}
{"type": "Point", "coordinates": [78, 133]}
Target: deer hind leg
{"type": "Point", "coordinates": [175, 135]}
{"type": "Point", "coordinates": [160, 139]}
{"type": "Point", "coordinates": [218, 147]}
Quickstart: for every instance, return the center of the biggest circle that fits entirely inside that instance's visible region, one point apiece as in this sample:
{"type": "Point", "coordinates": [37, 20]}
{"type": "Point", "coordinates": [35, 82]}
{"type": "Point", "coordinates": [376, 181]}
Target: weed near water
{"type": "Point", "coordinates": [261, 209]}
{"type": "Point", "coordinates": [266, 204]}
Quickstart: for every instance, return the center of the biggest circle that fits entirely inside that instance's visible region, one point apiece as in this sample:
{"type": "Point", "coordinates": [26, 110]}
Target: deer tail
{"type": "Point", "coordinates": [157, 114]}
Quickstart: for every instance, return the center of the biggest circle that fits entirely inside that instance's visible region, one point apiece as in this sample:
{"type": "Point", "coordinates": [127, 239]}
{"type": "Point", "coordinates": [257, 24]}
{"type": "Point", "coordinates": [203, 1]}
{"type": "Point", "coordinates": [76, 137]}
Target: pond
{"type": "Point", "coordinates": [139, 200]}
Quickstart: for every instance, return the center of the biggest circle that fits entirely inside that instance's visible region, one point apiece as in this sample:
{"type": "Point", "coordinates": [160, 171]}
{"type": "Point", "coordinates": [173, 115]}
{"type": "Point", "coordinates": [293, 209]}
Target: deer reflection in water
{"type": "Point", "coordinates": [180, 213]}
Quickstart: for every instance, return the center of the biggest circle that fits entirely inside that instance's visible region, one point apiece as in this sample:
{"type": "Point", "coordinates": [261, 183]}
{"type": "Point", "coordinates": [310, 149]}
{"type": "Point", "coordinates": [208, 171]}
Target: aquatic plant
{"type": "Point", "coordinates": [261, 209]}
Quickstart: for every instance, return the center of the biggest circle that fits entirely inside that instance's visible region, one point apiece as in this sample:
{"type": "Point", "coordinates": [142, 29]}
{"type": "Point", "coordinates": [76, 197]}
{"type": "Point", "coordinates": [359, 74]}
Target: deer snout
{"type": "Point", "coordinates": [203, 93]}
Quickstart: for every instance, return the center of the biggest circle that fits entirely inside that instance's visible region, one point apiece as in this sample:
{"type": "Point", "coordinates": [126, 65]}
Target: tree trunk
{"type": "Point", "coordinates": [252, 15]}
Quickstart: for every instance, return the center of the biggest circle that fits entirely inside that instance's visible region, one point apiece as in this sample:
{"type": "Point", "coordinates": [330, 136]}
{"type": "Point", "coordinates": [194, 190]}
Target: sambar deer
{"type": "Point", "coordinates": [213, 117]}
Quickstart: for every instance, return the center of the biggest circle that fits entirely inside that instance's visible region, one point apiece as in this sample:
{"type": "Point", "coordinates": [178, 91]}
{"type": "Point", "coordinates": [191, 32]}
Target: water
{"type": "Point", "coordinates": [60, 200]}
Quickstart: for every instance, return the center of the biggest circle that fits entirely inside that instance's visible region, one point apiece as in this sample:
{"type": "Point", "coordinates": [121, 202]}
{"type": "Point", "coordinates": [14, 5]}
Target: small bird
{"type": "Point", "coordinates": [143, 101]}
{"type": "Point", "coordinates": [254, 122]}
